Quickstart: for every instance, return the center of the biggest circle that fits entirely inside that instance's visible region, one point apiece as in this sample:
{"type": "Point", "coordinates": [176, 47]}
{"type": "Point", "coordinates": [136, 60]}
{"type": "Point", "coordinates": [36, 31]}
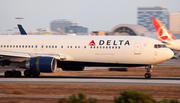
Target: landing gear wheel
{"type": "Point", "coordinates": [147, 75]}
{"type": "Point", "coordinates": [35, 74]}
{"type": "Point", "coordinates": [8, 74]}
{"type": "Point", "coordinates": [16, 74]}
{"type": "Point", "coordinates": [27, 73]}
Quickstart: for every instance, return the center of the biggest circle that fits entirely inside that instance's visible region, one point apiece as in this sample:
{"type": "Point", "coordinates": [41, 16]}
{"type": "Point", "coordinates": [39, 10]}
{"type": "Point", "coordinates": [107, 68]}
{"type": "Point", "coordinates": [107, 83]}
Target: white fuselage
{"type": "Point", "coordinates": [107, 49]}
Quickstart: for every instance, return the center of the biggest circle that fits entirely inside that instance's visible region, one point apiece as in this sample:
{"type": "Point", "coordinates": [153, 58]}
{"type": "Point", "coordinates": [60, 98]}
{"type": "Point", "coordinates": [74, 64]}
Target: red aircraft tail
{"type": "Point", "coordinates": [162, 32]}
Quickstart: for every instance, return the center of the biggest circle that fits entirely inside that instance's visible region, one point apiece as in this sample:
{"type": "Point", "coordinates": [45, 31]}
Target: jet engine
{"type": "Point", "coordinates": [40, 64]}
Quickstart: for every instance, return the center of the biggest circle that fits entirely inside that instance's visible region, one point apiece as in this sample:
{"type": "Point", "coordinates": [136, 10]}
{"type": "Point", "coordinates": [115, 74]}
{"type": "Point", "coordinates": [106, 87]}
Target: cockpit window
{"type": "Point", "coordinates": [159, 46]}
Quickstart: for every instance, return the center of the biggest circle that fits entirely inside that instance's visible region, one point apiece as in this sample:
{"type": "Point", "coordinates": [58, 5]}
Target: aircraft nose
{"type": "Point", "coordinates": [169, 54]}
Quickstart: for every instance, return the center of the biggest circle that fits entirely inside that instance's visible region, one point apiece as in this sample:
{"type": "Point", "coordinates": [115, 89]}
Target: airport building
{"type": "Point", "coordinates": [61, 24]}
{"type": "Point", "coordinates": [76, 29]}
{"type": "Point", "coordinates": [174, 22]}
{"type": "Point", "coordinates": [128, 29]}
{"type": "Point", "coordinates": [145, 14]}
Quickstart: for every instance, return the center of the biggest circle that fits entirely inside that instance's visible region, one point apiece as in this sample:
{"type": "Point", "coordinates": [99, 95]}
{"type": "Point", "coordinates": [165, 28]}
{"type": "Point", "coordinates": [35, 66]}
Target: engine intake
{"type": "Point", "coordinates": [40, 64]}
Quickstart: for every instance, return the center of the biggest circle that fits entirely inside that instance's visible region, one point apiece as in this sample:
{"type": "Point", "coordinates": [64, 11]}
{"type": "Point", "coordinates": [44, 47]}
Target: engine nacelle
{"type": "Point", "coordinates": [73, 68]}
{"type": "Point", "coordinates": [40, 64]}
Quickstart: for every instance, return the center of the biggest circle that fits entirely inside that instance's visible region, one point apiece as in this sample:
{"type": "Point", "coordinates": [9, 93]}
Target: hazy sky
{"type": "Point", "coordinates": [94, 14]}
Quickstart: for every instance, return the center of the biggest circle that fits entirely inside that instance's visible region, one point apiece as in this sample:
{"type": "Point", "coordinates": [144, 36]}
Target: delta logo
{"type": "Point", "coordinates": [110, 42]}
{"type": "Point", "coordinates": [92, 43]}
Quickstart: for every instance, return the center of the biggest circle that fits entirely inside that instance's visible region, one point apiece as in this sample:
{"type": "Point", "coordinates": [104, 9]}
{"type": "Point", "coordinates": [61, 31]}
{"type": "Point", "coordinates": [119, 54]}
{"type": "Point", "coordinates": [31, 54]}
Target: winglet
{"type": "Point", "coordinates": [162, 32]}
{"type": "Point", "coordinates": [21, 29]}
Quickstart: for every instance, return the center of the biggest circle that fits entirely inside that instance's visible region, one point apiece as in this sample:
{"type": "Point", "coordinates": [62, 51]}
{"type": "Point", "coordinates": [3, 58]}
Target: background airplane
{"type": "Point", "coordinates": [165, 36]}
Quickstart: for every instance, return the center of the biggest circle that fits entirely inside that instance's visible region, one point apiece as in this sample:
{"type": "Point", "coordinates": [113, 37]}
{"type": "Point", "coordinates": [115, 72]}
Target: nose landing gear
{"type": "Point", "coordinates": [148, 74]}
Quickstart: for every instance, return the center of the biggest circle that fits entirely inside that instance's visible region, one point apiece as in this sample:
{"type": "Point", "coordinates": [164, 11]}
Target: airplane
{"type": "Point", "coordinates": [40, 53]}
{"type": "Point", "coordinates": [165, 36]}
{"type": "Point", "coordinates": [21, 29]}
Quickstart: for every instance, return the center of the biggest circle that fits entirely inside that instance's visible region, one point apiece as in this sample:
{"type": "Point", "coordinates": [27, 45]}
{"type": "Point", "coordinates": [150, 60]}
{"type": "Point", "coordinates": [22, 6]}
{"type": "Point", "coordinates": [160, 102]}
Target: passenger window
{"type": "Point", "coordinates": [75, 46]}
{"type": "Point", "coordinates": [32, 46]}
{"type": "Point", "coordinates": [4, 46]}
{"type": "Point", "coordinates": [16, 46]}
{"type": "Point", "coordinates": [22, 46]}
{"type": "Point", "coordinates": [49, 46]}
{"type": "Point", "coordinates": [61, 46]}
{"type": "Point", "coordinates": [1, 46]}
{"type": "Point", "coordinates": [19, 46]}
{"type": "Point", "coordinates": [78, 46]}
{"type": "Point", "coordinates": [10, 46]}
{"type": "Point", "coordinates": [26, 46]}
{"type": "Point", "coordinates": [84, 46]}
{"type": "Point", "coordinates": [52, 46]}
{"type": "Point", "coordinates": [55, 46]}
{"type": "Point", "coordinates": [7, 46]}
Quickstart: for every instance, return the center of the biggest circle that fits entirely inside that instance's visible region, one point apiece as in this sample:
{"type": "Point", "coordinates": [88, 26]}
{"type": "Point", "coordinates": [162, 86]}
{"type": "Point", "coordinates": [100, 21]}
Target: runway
{"type": "Point", "coordinates": [88, 80]}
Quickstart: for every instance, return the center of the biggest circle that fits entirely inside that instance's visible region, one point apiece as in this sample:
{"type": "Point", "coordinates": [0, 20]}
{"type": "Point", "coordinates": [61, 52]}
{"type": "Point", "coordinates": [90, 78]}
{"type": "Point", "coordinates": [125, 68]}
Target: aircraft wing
{"type": "Point", "coordinates": [21, 56]}
{"type": "Point", "coordinates": [165, 42]}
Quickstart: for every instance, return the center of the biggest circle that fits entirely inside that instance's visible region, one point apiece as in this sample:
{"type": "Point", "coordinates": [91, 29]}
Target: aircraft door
{"type": "Point", "coordinates": [137, 48]}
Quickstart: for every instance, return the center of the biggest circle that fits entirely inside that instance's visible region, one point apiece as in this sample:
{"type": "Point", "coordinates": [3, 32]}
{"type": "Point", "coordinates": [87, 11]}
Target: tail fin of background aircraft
{"type": "Point", "coordinates": [21, 29]}
{"type": "Point", "coordinates": [162, 32]}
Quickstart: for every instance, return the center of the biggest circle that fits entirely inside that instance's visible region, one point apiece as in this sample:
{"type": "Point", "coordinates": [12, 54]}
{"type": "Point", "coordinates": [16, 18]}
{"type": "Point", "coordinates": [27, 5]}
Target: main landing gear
{"type": "Point", "coordinates": [13, 73]}
{"type": "Point", "coordinates": [148, 74]}
{"type": "Point", "coordinates": [27, 73]}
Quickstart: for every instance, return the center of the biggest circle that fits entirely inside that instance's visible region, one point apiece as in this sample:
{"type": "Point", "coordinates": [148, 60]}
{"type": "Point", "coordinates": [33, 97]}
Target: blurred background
{"type": "Point", "coordinates": [95, 17]}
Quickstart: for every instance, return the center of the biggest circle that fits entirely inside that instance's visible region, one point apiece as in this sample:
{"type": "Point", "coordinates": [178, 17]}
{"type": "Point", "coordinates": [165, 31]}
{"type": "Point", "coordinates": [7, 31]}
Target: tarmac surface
{"type": "Point", "coordinates": [92, 80]}
{"type": "Point", "coordinates": [171, 62]}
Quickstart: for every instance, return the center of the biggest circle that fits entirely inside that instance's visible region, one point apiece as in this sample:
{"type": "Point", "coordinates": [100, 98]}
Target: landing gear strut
{"type": "Point", "coordinates": [148, 74]}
